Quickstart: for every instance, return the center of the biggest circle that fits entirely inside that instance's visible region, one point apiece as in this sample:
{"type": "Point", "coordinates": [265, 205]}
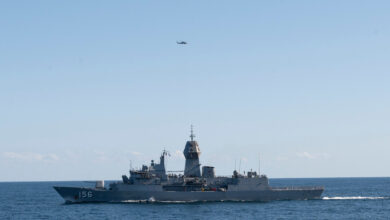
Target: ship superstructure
{"type": "Point", "coordinates": [191, 153]}
{"type": "Point", "coordinates": [152, 183]}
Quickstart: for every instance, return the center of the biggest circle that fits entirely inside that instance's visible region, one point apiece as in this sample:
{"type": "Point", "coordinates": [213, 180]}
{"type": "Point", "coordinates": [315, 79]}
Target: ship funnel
{"type": "Point", "coordinates": [208, 172]}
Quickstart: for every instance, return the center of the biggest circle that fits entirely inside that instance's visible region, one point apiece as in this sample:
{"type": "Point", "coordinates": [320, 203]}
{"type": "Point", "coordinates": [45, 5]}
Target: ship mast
{"type": "Point", "coordinates": [192, 133]}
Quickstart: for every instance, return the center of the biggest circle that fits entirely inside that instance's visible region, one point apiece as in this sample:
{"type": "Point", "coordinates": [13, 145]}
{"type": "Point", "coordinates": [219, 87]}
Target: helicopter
{"type": "Point", "coordinates": [181, 42]}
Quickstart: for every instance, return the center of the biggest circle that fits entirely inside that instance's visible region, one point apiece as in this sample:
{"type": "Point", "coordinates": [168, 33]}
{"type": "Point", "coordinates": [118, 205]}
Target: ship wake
{"type": "Point", "coordinates": [355, 198]}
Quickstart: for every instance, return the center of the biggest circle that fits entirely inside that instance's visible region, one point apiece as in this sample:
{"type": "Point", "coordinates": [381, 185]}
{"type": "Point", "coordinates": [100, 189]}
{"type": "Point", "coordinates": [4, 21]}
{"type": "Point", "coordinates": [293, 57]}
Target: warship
{"type": "Point", "coordinates": [154, 183]}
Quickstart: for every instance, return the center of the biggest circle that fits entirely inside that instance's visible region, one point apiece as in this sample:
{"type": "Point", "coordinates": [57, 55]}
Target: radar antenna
{"type": "Point", "coordinates": [165, 153]}
{"type": "Point", "coordinates": [192, 133]}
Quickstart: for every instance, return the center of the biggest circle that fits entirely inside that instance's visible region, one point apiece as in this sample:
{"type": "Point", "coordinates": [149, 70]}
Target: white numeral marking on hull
{"type": "Point", "coordinates": [85, 194]}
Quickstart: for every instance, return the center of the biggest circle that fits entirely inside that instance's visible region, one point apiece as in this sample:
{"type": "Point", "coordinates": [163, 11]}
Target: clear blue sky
{"type": "Point", "coordinates": [86, 86]}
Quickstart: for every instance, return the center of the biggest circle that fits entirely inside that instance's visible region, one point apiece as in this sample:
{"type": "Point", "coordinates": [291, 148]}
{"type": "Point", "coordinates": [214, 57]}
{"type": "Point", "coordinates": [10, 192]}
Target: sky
{"type": "Point", "coordinates": [300, 87]}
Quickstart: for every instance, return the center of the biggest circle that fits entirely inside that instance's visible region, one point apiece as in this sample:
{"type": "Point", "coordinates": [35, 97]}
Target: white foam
{"type": "Point", "coordinates": [353, 197]}
{"type": "Point", "coordinates": [191, 201]}
{"type": "Point", "coordinates": [152, 200]}
{"type": "Point", "coordinates": [133, 201]}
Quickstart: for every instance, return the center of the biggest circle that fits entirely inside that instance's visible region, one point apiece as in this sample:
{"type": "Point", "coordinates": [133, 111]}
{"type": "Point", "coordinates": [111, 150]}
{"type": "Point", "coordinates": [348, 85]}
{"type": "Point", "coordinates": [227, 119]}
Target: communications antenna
{"type": "Point", "coordinates": [239, 167]}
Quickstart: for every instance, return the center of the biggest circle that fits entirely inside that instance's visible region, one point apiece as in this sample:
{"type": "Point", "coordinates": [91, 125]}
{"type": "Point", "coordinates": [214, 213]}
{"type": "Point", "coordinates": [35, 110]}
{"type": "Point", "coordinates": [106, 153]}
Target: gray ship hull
{"type": "Point", "coordinates": [81, 195]}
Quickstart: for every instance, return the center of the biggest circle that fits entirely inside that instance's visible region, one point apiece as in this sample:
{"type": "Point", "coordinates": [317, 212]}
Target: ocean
{"type": "Point", "coordinates": [343, 198]}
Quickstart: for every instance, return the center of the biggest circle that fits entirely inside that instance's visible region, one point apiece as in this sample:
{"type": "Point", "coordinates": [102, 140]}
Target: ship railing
{"type": "Point", "coordinates": [241, 176]}
{"type": "Point", "coordinates": [298, 188]}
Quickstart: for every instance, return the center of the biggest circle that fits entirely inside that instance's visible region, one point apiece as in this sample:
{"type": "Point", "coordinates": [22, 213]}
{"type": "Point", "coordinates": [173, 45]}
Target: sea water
{"type": "Point", "coordinates": [343, 198]}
